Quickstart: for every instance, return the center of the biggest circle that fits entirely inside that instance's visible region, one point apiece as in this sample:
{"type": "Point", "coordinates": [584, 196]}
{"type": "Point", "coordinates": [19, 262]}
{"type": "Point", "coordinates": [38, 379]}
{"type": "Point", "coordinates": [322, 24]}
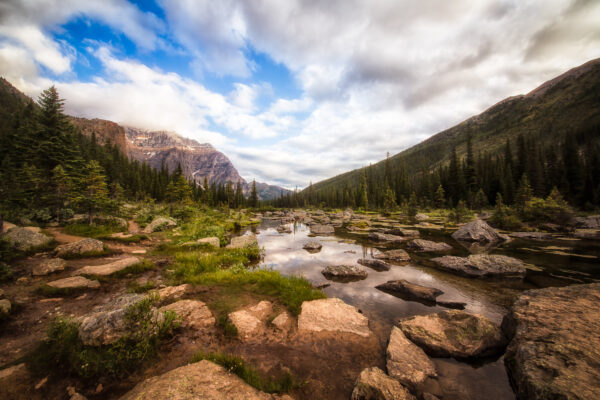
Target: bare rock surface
{"type": "Point", "coordinates": [590, 222]}
{"type": "Point", "coordinates": [555, 348]}
{"type": "Point", "coordinates": [454, 334]}
{"type": "Point", "coordinates": [332, 315]}
{"type": "Point", "coordinates": [192, 314]}
{"type": "Point", "coordinates": [213, 241]}
{"type": "Point", "coordinates": [411, 290]}
{"type": "Point", "coordinates": [374, 384]}
{"type": "Point", "coordinates": [48, 266]}
{"type": "Point", "coordinates": [408, 233]}
{"type": "Point", "coordinates": [282, 321]}
{"type": "Point", "coordinates": [384, 237]}
{"type": "Point", "coordinates": [108, 269]}
{"type": "Point", "coordinates": [80, 248]}
{"type": "Point", "coordinates": [428, 246]}
{"type": "Point", "coordinates": [160, 223]}
{"type": "Point", "coordinates": [24, 239]}
{"type": "Point", "coordinates": [397, 255]}
{"type": "Point", "coordinates": [74, 282]}
{"type": "Point", "coordinates": [313, 246]}
{"type": "Point", "coordinates": [478, 231]}
{"type": "Point", "coordinates": [377, 265]}
{"type": "Point", "coordinates": [171, 293]}
{"type": "Point", "coordinates": [406, 361]}
{"type": "Point", "coordinates": [250, 322]}
{"type": "Point", "coordinates": [482, 265]}
{"type": "Point", "coordinates": [344, 272]}
{"type": "Point", "coordinates": [319, 229]}
{"type": "Point", "coordinates": [239, 242]}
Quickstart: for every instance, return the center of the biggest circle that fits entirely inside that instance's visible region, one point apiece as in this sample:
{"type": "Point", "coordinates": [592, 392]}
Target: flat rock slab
{"type": "Point", "coordinates": [213, 241]}
{"type": "Point", "coordinates": [318, 229]}
{"type": "Point", "coordinates": [74, 282]}
{"type": "Point", "coordinates": [192, 314]}
{"type": "Point", "coordinates": [482, 265]}
{"type": "Point", "coordinates": [427, 246]}
{"type": "Point", "coordinates": [344, 273]}
{"type": "Point", "coordinates": [80, 248]}
{"type": "Point", "coordinates": [397, 255]}
{"type": "Point", "coordinates": [555, 348]}
{"type": "Point", "coordinates": [455, 334]}
{"type": "Point", "coordinates": [383, 237]}
{"type": "Point", "coordinates": [407, 362]}
{"type": "Point", "coordinates": [411, 290]}
{"type": "Point", "coordinates": [478, 231]}
{"type": "Point", "coordinates": [48, 266]}
{"type": "Point", "coordinates": [377, 265]}
{"type": "Point", "coordinates": [202, 380]}
{"type": "Point", "coordinates": [332, 315]}
{"type": "Point", "coordinates": [374, 384]}
{"type": "Point", "coordinates": [108, 269]}
{"type": "Point", "coordinates": [239, 242]}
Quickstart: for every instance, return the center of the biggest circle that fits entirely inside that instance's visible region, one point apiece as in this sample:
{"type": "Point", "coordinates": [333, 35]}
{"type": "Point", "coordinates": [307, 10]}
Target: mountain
{"type": "Point", "coordinates": [567, 103]}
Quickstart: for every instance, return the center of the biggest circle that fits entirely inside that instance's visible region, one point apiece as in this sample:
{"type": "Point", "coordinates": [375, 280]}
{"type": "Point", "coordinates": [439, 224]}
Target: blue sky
{"type": "Point", "coordinates": [292, 91]}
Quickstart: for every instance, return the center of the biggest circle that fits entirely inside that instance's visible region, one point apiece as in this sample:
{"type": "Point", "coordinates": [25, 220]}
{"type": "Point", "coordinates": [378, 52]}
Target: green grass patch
{"type": "Point", "coordinates": [131, 239]}
{"type": "Point", "coordinates": [93, 231]}
{"type": "Point", "coordinates": [191, 263]}
{"type": "Point", "coordinates": [238, 366]}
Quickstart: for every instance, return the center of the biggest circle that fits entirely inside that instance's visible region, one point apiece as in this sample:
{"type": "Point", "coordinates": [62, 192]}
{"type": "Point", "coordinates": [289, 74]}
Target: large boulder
{"type": "Point", "coordinates": [192, 314]}
{"type": "Point", "coordinates": [555, 348]}
{"type": "Point", "coordinates": [383, 237]}
{"type": "Point", "coordinates": [202, 380]}
{"type": "Point", "coordinates": [454, 334]}
{"type": "Point", "coordinates": [160, 224]}
{"type": "Point", "coordinates": [344, 272]}
{"type": "Point", "coordinates": [80, 248]}
{"type": "Point", "coordinates": [108, 269]}
{"type": "Point", "coordinates": [397, 255]}
{"type": "Point", "coordinates": [406, 361]}
{"type": "Point", "coordinates": [374, 384]}
{"type": "Point", "coordinates": [478, 231]}
{"type": "Point", "coordinates": [332, 315]}
{"type": "Point", "coordinates": [377, 265]}
{"type": "Point", "coordinates": [318, 229]}
{"type": "Point", "coordinates": [48, 266]}
{"type": "Point", "coordinates": [427, 246]}
{"type": "Point", "coordinates": [409, 290]}
{"type": "Point", "coordinates": [74, 283]}
{"type": "Point", "coordinates": [239, 242]}
{"type": "Point", "coordinates": [482, 265]}
{"type": "Point", "coordinates": [24, 239]}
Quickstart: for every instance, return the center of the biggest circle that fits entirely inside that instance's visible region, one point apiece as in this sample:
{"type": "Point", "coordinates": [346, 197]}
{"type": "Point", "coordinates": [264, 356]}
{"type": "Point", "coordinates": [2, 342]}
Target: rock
{"type": "Point", "coordinates": [332, 315]}
{"type": "Point", "coordinates": [24, 239]}
{"type": "Point", "coordinates": [82, 247]}
{"type": "Point", "coordinates": [312, 246]}
{"type": "Point", "coordinates": [377, 265]}
{"type": "Point", "coordinates": [213, 241]}
{"type": "Point", "coordinates": [344, 272]}
{"type": "Point", "coordinates": [421, 217]}
{"type": "Point", "coordinates": [383, 237]}
{"type": "Point", "coordinates": [374, 384]}
{"type": "Point", "coordinates": [318, 229]}
{"type": "Point", "coordinates": [590, 222]}
{"type": "Point", "coordinates": [108, 269]}
{"type": "Point", "coordinates": [239, 242]}
{"type": "Point", "coordinates": [160, 224]}
{"type": "Point", "coordinates": [284, 229]}
{"type": "Point", "coordinates": [587, 234]}
{"type": "Point", "coordinates": [403, 232]}
{"type": "Point", "coordinates": [202, 380]}
{"type": "Point", "coordinates": [246, 323]}
{"type": "Point", "coordinates": [171, 293]}
{"type": "Point", "coordinates": [454, 334]}
{"type": "Point", "coordinates": [16, 383]}
{"type": "Point", "coordinates": [49, 266]}
{"type": "Point", "coordinates": [428, 246]}
{"type": "Point", "coordinates": [554, 353]}
{"type": "Point", "coordinates": [410, 290]}
{"type": "Point", "coordinates": [457, 305]}
{"type": "Point", "coordinates": [261, 310]}
{"type": "Point", "coordinates": [482, 265]}
{"type": "Point", "coordinates": [5, 306]}
{"type": "Point", "coordinates": [397, 255]}
{"type": "Point", "coordinates": [478, 231]}
{"type": "Point", "coordinates": [34, 229]}
{"type": "Point", "coordinates": [532, 235]}
{"type": "Point", "coordinates": [406, 362]}
{"type": "Point", "coordinates": [74, 395]}
{"type": "Point", "coordinates": [282, 321]}
{"type": "Point", "coordinates": [6, 226]}
{"type": "Point", "coordinates": [142, 251]}
{"type": "Point", "coordinates": [74, 282]}
{"type": "Point", "coordinates": [1, 293]}
{"type": "Point", "coordinates": [192, 314]}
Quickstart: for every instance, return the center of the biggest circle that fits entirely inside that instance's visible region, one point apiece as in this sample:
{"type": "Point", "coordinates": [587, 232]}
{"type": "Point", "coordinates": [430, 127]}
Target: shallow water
{"type": "Point", "coordinates": [457, 380]}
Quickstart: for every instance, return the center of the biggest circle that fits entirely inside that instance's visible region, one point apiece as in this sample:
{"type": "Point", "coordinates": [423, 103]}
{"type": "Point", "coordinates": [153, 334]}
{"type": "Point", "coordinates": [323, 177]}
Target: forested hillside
{"type": "Point", "coordinates": [550, 137]}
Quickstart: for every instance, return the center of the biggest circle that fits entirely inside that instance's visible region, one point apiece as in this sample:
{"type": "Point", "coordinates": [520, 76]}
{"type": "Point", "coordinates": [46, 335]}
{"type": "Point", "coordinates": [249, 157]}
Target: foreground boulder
{"type": "Point", "coordinates": [482, 265]}
{"type": "Point", "coordinates": [344, 272]}
{"type": "Point", "coordinates": [108, 269]}
{"type": "Point", "coordinates": [332, 315]}
{"type": "Point", "coordinates": [478, 231]}
{"type": "Point", "coordinates": [160, 224]}
{"type": "Point", "coordinates": [312, 246]}
{"type": "Point", "coordinates": [213, 241]}
{"type": "Point", "coordinates": [240, 242]}
{"type": "Point", "coordinates": [74, 283]}
{"type": "Point", "coordinates": [48, 266]}
{"type": "Point", "coordinates": [455, 334]}
{"type": "Point", "coordinates": [428, 246]}
{"type": "Point", "coordinates": [554, 352]}
{"type": "Point", "coordinates": [406, 362]}
{"type": "Point", "coordinates": [383, 237]}
{"type": "Point", "coordinates": [202, 380]}
{"type": "Point", "coordinates": [192, 314]}
{"type": "Point", "coordinates": [377, 265]}
{"type": "Point", "coordinates": [374, 384]}
{"type": "Point", "coordinates": [24, 239]}
{"type": "Point", "coordinates": [410, 290]}
{"type": "Point", "coordinates": [318, 229]}
{"type": "Point", "coordinates": [397, 255]}
{"type": "Point", "coordinates": [84, 247]}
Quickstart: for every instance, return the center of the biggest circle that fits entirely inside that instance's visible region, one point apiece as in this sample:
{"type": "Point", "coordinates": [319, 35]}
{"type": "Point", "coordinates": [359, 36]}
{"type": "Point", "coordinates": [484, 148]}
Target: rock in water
{"type": "Point", "coordinates": [239, 242]}
{"type": "Point", "coordinates": [406, 362]}
{"type": "Point", "coordinates": [482, 265]}
{"type": "Point", "coordinates": [317, 229]}
{"type": "Point", "coordinates": [428, 246]}
{"type": "Point", "coordinates": [213, 241]}
{"type": "Point", "coordinates": [555, 348]}
{"type": "Point", "coordinates": [284, 229]}
{"type": "Point", "coordinates": [332, 315]}
{"type": "Point", "coordinates": [160, 224]}
{"type": "Point", "coordinates": [377, 265]}
{"type": "Point", "coordinates": [374, 384]}
{"type": "Point", "coordinates": [344, 272]}
{"type": "Point", "coordinates": [382, 237]}
{"type": "Point", "coordinates": [454, 334]}
{"type": "Point", "coordinates": [312, 246]}
{"type": "Point", "coordinates": [411, 290]}
{"type": "Point", "coordinates": [48, 266]}
{"type": "Point", "coordinates": [478, 231]}
{"type": "Point", "coordinates": [202, 380]}
{"type": "Point", "coordinates": [397, 255]}
{"type": "Point", "coordinates": [108, 269]}
{"type": "Point", "coordinates": [24, 239]}
{"type": "Point", "coordinates": [532, 235]}
{"type": "Point", "coordinates": [409, 233]}
{"type": "Point", "coordinates": [80, 248]}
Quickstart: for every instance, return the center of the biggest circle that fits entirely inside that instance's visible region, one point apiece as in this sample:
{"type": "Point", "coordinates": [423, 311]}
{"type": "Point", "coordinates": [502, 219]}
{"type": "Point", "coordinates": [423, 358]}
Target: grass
{"type": "Point", "coordinates": [238, 366]}
{"type": "Point", "coordinates": [134, 287]}
{"type": "Point", "coordinates": [6, 272]}
{"type": "Point", "coordinates": [137, 268]}
{"type": "Point", "coordinates": [93, 231]}
{"type": "Point", "coordinates": [191, 263]}
{"type": "Point", "coordinates": [132, 239]}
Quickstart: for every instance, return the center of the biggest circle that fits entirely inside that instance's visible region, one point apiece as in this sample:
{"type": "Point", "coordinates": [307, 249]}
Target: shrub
{"type": "Point", "coordinates": [552, 209]}
{"type": "Point", "coordinates": [6, 272]}
{"type": "Point", "coordinates": [94, 230]}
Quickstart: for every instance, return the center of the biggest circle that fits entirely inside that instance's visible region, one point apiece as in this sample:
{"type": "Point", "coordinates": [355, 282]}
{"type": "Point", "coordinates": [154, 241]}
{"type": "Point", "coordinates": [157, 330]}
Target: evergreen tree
{"type": "Point", "coordinates": [62, 186]}
{"type": "Point", "coordinates": [364, 200]}
{"type": "Point", "coordinates": [440, 197]}
{"type": "Point", "coordinates": [94, 197]}
{"type": "Point", "coordinates": [524, 193]}
{"type": "Point", "coordinates": [481, 200]}
{"type": "Point", "coordinates": [389, 203]}
{"type": "Point", "coordinates": [253, 195]}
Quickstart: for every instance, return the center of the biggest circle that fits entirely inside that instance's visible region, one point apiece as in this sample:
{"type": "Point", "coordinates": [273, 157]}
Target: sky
{"type": "Point", "coordinates": [293, 91]}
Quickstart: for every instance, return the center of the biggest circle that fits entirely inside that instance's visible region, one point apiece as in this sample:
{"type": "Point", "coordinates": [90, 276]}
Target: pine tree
{"type": "Point", "coordinates": [524, 193]}
{"type": "Point", "coordinates": [253, 195]}
{"type": "Point", "coordinates": [389, 202]}
{"type": "Point", "coordinates": [364, 199]}
{"type": "Point", "coordinates": [481, 200]}
{"type": "Point", "coordinates": [470, 173]}
{"type": "Point", "coordinates": [62, 186]}
{"type": "Point", "coordinates": [440, 197]}
{"type": "Point", "coordinates": [413, 205]}
{"type": "Point", "coordinates": [94, 197]}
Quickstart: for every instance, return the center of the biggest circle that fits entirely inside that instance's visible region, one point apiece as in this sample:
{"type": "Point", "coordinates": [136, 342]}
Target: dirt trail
{"type": "Point", "coordinates": [133, 227]}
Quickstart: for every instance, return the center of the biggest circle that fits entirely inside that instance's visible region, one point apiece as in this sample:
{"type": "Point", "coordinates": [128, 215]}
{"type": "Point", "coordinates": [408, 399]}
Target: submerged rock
{"type": "Point", "coordinates": [478, 231]}
{"type": "Point", "coordinates": [397, 255]}
{"type": "Point", "coordinates": [24, 239]}
{"type": "Point", "coordinates": [482, 265]}
{"type": "Point", "coordinates": [344, 272]}
{"type": "Point", "coordinates": [318, 229]}
{"type": "Point", "coordinates": [108, 269]}
{"type": "Point", "coordinates": [49, 266]}
{"type": "Point", "coordinates": [160, 224]}
{"type": "Point", "coordinates": [239, 242]}
{"type": "Point", "coordinates": [383, 237]}
{"type": "Point", "coordinates": [428, 246]}
{"type": "Point", "coordinates": [454, 334]}
{"type": "Point", "coordinates": [332, 315]}
{"type": "Point", "coordinates": [80, 248]}
{"type": "Point", "coordinates": [375, 264]}
{"type": "Point", "coordinates": [406, 362]}
{"type": "Point", "coordinates": [532, 235]}
{"type": "Point", "coordinates": [374, 384]}
{"type": "Point", "coordinates": [312, 246]}
{"type": "Point", "coordinates": [411, 290]}
{"type": "Point", "coordinates": [554, 351]}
